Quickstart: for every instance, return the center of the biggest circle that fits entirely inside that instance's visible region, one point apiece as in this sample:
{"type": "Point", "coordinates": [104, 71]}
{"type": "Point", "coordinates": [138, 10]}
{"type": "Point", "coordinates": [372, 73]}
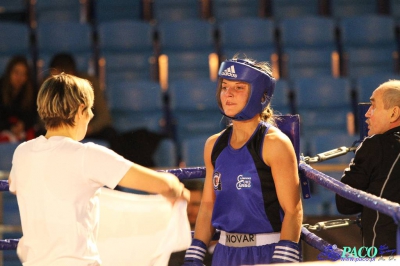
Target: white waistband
{"type": "Point", "coordinates": [248, 240]}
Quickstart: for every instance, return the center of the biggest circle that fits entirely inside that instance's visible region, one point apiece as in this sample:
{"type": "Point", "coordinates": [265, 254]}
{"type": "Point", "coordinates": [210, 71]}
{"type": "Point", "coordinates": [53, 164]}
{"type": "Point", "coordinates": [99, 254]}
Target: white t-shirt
{"type": "Point", "coordinates": [57, 181]}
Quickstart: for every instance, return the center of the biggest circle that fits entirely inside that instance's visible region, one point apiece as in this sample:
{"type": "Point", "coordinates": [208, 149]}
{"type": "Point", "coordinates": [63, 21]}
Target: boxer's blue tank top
{"type": "Point", "coordinates": [246, 200]}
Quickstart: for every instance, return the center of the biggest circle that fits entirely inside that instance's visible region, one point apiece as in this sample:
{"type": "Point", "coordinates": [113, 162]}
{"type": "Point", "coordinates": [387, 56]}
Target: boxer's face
{"type": "Point", "coordinates": [234, 95]}
{"type": "Point", "coordinates": [378, 118]}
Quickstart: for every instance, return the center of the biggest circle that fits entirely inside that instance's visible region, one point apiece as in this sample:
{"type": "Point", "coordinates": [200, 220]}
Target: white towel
{"type": "Point", "coordinates": [140, 229]}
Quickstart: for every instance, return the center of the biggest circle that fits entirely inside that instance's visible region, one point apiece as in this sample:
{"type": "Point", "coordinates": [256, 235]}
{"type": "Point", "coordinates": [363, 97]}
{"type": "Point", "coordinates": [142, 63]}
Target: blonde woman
{"type": "Point", "coordinates": [57, 179]}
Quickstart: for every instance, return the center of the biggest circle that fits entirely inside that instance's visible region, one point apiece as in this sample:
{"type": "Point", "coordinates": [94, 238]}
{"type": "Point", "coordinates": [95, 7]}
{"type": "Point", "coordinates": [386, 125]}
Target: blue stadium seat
{"type": "Point", "coordinates": [14, 10]}
{"type": "Point", "coordinates": [166, 154]}
{"type": "Point", "coordinates": [12, 5]}
{"type": "Point", "coordinates": [367, 30]}
{"type": "Point", "coordinates": [193, 150]}
{"type": "Point", "coordinates": [308, 63]}
{"type": "Point", "coordinates": [188, 65]}
{"type": "Point", "coordinates": [188, 44]}
{"type": "Point", "coordinates": [106, 10]}
{"type": "Point", "coordinates": [190, 34]}
{"type": "Point", "coordinates": [394, 8]}
{"type": "Point", "coordinates": [65, 36]}
{"type": "Point", "coordinates": [281, 102]}
{"type": "Point", "coordinates": [346, 8]}
{"type": "Point", "coordinates": [365, 85]}
{"type": "Point", "coordinates": [294, 8]}
{"type": "Point", "coordinates": [228, 9]}
{"type": "Point", "coordinates": [369, 61]}
{"type": "Point", "coordinates": [308, 44]}
{"type": "Point", "coordinates": [135, 104]}
{"type": "Point", "coordinates": [251, 36]}
{"type": "Point", "coordinates": [307, 31]}
{"type": "Point", "coordinates": [128, 66]}
{"type": "Point", "coordinates": [369, 45]}
{"type": "Point", "coordinates": [14, 40]}
{"type": "Point", "coordinates": [195, 108]}
{"type": "Point", "coordinates": [61, 10]}
{"type": "Point", "coordinates": [176, 9]}
{"type": "Point", "coordinates": [128, 50]}
{"type": "Point", "coordinates": [323, 104]}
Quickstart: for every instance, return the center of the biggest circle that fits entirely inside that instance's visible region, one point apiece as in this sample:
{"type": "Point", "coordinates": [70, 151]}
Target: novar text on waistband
{"type": "Point", "coordinates": [241, 238]}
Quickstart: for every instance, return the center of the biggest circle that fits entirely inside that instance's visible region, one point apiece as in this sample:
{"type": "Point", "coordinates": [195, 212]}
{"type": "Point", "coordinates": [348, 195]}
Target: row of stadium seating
{"type": "Point", "coordinates": [296, 47]}
{"type": "Point", "coordinates": [104, 10]}
{"type": "Point", "coordinates": [304, 47]}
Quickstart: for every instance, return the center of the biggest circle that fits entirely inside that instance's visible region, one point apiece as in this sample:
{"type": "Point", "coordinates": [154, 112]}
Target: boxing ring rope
{"type": "Point", "coordinates": [3, 185]}
{"type": "Point", "coordinates": [9, 244]}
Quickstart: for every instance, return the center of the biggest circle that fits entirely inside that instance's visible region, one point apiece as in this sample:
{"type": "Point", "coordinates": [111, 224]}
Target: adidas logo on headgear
{"type": "Point", "coordinates": [230, 71]}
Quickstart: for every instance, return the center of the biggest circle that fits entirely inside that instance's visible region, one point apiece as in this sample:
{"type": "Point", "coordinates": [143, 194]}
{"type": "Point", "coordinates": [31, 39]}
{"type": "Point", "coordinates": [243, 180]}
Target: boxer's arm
{"type": "Point", "coordinates": [204, 230]}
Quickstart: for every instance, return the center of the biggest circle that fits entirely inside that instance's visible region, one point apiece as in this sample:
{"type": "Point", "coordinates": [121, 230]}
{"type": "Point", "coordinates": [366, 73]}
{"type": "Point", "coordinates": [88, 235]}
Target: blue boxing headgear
{"type": "Point", "coordinates": [262, 86]}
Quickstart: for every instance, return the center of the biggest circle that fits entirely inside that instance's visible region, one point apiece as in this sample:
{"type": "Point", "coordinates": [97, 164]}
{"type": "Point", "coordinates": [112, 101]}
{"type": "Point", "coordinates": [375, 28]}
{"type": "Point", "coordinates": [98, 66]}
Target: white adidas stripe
{"type": "Point", "coordinates": [230, 71]}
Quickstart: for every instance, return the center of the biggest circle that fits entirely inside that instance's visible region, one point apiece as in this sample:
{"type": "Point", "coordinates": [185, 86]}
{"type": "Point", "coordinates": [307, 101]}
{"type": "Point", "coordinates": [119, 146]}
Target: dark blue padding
{"type": "Point", "coordinates": [290, 125]}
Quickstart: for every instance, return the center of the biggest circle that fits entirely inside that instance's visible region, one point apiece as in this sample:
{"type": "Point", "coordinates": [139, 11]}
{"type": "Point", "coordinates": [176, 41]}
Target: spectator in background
{"type": "Point", "coordinates": [100, 127]}
{"type": "Point", "coordinates": [18, 115]}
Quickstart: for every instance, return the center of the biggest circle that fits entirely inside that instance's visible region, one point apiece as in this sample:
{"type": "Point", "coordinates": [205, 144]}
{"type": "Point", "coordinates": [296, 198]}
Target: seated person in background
{"type": "Point", "coordinates": [195, 186]}
{"type": "Point", "coordinates": [15, 131]}
{"type": "Point", "coordinates": [100, 127]}
{"type": "Point", "coordinates": [18, 115]}
{"type": "Point", "coordinates": [375, 168]}
{"type": "Point", "coordinates": [57, 179]}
